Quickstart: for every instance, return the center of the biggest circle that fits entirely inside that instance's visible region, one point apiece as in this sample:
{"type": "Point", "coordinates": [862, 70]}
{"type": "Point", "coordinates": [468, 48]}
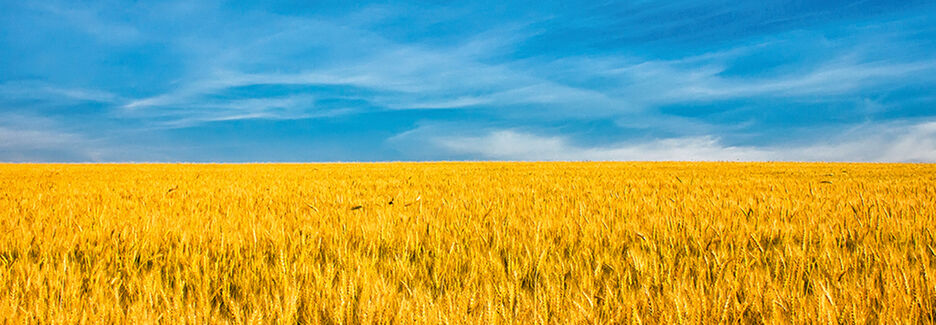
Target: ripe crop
{"type": "Point", "coordinates": [468, 243]}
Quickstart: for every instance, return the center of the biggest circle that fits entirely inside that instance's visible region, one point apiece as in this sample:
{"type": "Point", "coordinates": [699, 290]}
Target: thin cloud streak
{"type": "Point", "coordinates": [33, 90]}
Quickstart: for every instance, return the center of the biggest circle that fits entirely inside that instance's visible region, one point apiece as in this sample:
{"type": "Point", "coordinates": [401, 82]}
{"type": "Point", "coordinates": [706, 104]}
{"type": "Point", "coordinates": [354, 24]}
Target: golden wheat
{"type": "Point", "coordinates": [468, 243]}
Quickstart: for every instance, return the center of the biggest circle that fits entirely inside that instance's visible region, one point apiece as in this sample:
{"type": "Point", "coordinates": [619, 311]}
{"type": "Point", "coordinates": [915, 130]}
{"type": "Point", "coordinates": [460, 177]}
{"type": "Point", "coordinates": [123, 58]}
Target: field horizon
{"type": "Point", "coordinates": [111, 163]}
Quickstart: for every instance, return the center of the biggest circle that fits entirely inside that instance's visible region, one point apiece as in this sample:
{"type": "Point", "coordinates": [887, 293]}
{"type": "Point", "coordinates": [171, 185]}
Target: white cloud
{"type": "Point", "coordinates": [515, 145]}
{"type": "Point", "coordinates": [890, 142]}
{"type": "Point", "coordinates": [689, 80]}
{"type": "Point", "coordinates": [205, 110]}
{"type": "Point", "coordinates": [15, 138]}
{"type": "Point", "coordinates": [30, 138]}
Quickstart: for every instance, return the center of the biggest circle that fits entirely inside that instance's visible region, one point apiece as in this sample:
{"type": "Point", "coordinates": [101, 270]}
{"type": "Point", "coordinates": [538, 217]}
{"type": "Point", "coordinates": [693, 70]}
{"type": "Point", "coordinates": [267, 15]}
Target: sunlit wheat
{"type": "Point", "coordinates": [468, 243]}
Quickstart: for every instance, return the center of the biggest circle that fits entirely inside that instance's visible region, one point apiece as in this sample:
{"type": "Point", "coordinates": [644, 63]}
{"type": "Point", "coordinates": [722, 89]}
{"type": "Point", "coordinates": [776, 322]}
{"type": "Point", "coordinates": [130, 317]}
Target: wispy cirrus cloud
{"type": "Point", "coordinates": [398, 76]}
{"type": "Point", "coordinates": [395, 75]}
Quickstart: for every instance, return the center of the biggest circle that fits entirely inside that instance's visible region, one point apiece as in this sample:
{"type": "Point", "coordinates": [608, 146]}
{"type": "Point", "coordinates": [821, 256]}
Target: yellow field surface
{"type": "Point", "coordinates": [468, 243]}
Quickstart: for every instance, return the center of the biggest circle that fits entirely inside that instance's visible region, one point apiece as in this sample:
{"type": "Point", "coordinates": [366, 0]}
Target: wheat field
{"type": "Point", "coordinates": [479, 243]}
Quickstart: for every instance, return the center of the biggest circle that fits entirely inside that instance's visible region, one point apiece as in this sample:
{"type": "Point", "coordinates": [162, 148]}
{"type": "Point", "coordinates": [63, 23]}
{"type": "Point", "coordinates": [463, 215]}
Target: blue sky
{"type": "Point", "coordinates": [207, 81]}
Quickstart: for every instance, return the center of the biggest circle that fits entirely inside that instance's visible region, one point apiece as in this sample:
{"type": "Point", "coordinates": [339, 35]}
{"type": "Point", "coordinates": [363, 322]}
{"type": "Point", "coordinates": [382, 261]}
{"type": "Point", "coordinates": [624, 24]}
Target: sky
{"type": "Point", "coordinates": [308, 81]}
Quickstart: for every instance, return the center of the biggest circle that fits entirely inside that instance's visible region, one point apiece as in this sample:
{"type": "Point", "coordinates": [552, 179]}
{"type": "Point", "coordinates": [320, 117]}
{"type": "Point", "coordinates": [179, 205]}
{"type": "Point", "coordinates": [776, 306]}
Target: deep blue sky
{"type": "Point", "coordinates": [373, 81]}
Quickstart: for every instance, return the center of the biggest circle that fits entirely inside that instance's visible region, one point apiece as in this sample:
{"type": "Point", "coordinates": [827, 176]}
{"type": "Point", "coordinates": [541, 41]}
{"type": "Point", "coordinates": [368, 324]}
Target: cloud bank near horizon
{"type": "Point", "coordinates": [900, 142]}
